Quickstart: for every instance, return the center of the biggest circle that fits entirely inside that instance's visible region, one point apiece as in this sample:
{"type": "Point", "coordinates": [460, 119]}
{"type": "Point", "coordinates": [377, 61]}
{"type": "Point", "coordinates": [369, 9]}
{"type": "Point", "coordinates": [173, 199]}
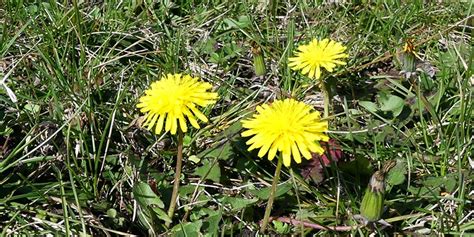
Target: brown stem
{"type": "Point", "coordinates": [313, 225]}
{"type": "Point", "coordinates": [177, 174]}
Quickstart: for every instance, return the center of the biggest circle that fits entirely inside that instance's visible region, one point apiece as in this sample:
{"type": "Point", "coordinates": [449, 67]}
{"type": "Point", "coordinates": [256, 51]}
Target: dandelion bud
{"type": "Point", "coordinates": [372, 203]}
{"type": "Point", "coordinates": [258, 60]}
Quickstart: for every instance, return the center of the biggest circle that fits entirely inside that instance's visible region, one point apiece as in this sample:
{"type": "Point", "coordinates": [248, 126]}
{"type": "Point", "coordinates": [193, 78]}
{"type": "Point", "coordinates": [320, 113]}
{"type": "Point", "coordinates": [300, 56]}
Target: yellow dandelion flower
{"type": "Point", "coordinates": [311, 57]}
{"type": "Point", "coordinates": [287, 126]}
{"type": "Point", "coordinates": [174, 98]}
{"type": "Point", "coordinates": [409, 47]}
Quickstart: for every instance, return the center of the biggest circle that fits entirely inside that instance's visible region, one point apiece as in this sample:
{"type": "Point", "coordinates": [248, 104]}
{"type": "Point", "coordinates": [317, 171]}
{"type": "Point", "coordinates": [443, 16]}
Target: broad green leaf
{"type": "Point", "coordinates": [187, 140]}
{"type": "Point", "coordinates": [211, 225]}
{"type": "Point", "coordinates": [236, 203]}
{"type": "Point", "coordinates": [145, 196]}
{"type": "Point", "coordinates": [209, 171]}
{"type": "Point", "coordinates": [264, 193]}
{"type": "Point", "coordinates": [370, 106]}
{"type": "Point", "coordinates": [195, 159]}
{"type": "Point", "coordinates": [241, 22]}
{"type": "Point", "coordinates": [397, 174]}
{"type": "Point", "coordinates": [32, 108]}
{"type": "Point", "coordinates": [161, 214]}
{"type": "Point", "coordinates": [189, 229]}
{"type": "Point", "coordinates": [112, 213]}
{"type": "Point", "coordinates": [448, 182]}
{"type": "Point", "coordinates": [391, 103]}
{"type": "Point", "coordinates": [219, 151]}
{"type": "Point", "coordinates": [359, 166]}
{"type": "Point", "coordinates": [185, 190]}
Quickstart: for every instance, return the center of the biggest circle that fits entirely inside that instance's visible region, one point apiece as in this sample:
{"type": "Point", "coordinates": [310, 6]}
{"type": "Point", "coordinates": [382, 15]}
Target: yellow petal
{"type": "Point", "coordinates": [272, 152]}
{"type": "Point", "coordinates": [168, 123]}
{"type": "Point", "coordinates": [152, 121]}
{"type": "Point", "coordinates": [318, 73]}
{"type": "Point", "coordinates": [286, 158]}
{"type": "Point", "coordinates": [296, 153]}
{"type": "Point", "coordinates": [174, 125]}
{"type": "Point", "coordinates": [159, 124]}
{"type": "Point", "coordinates": [182, 124]}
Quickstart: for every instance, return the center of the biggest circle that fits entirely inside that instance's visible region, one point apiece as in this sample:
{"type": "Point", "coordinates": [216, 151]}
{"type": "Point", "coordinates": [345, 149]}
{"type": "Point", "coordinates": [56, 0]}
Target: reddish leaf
{"type": "Point", "coordinates": [314, 168]}
{"type": "Point", "coordinates": [332, 150]}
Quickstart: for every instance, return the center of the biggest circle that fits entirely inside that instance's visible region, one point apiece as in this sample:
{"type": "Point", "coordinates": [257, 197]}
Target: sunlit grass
{"type": "Point", "coordinates": [75, 159]}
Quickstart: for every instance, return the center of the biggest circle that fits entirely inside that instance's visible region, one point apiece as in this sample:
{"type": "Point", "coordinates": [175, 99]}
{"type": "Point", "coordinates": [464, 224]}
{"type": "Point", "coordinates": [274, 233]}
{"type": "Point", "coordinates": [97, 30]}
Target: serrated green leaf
{"type": "Point", "coordinates": [422, 191]}
{"type": "Point", "coordinates": [208, 46]}
{"type": "Point", "coordinates": [223, 151]}
{"type": "Point", "coordinates": [280, 227]}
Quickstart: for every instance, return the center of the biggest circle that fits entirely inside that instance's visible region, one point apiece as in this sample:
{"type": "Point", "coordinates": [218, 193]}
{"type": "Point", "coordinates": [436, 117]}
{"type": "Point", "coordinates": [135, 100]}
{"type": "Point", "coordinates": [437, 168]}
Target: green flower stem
{"type": "Point", "coordinates": [276, 177]}
{"type": "Point", "coordinates": [177, 174]}
{"type": "Point", "coordinates": [326, 98]}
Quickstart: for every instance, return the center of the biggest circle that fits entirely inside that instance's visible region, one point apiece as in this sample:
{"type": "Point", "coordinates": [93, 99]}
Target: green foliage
{"type": "Point", "coordinates": [209, 170]}
{"type": "Point", "coordinates": [237, 204]}
{"type": "Point", "coordinates": [281, 228]}
{"type": "Point", "coordinates": [189, 229]}
{"type": "Point", "coordinates": [264, 193]}
{"type": "Point", "coordinates": [397, 174]}
{"type": "Point", "coordinates": [151, 205]}
{"type": "Point", "coordinates": [387, 103]}
{"type": "Point", "coordinates": [74, 159]}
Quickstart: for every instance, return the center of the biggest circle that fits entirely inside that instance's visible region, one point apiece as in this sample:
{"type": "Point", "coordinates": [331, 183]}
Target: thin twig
{"type": "Point", "coordinates": [313, 225]}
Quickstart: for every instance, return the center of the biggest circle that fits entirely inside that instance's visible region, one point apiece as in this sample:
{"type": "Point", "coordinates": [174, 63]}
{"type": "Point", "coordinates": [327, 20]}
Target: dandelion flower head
{"type": "Point", "coordinates": [409, 48]}
{"type": "Point", "coordinates": [287, 126]}
{"type": "Point", "coordinates": [172, 100]}
{"type": "Point", "coordinates": [311, 57]}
